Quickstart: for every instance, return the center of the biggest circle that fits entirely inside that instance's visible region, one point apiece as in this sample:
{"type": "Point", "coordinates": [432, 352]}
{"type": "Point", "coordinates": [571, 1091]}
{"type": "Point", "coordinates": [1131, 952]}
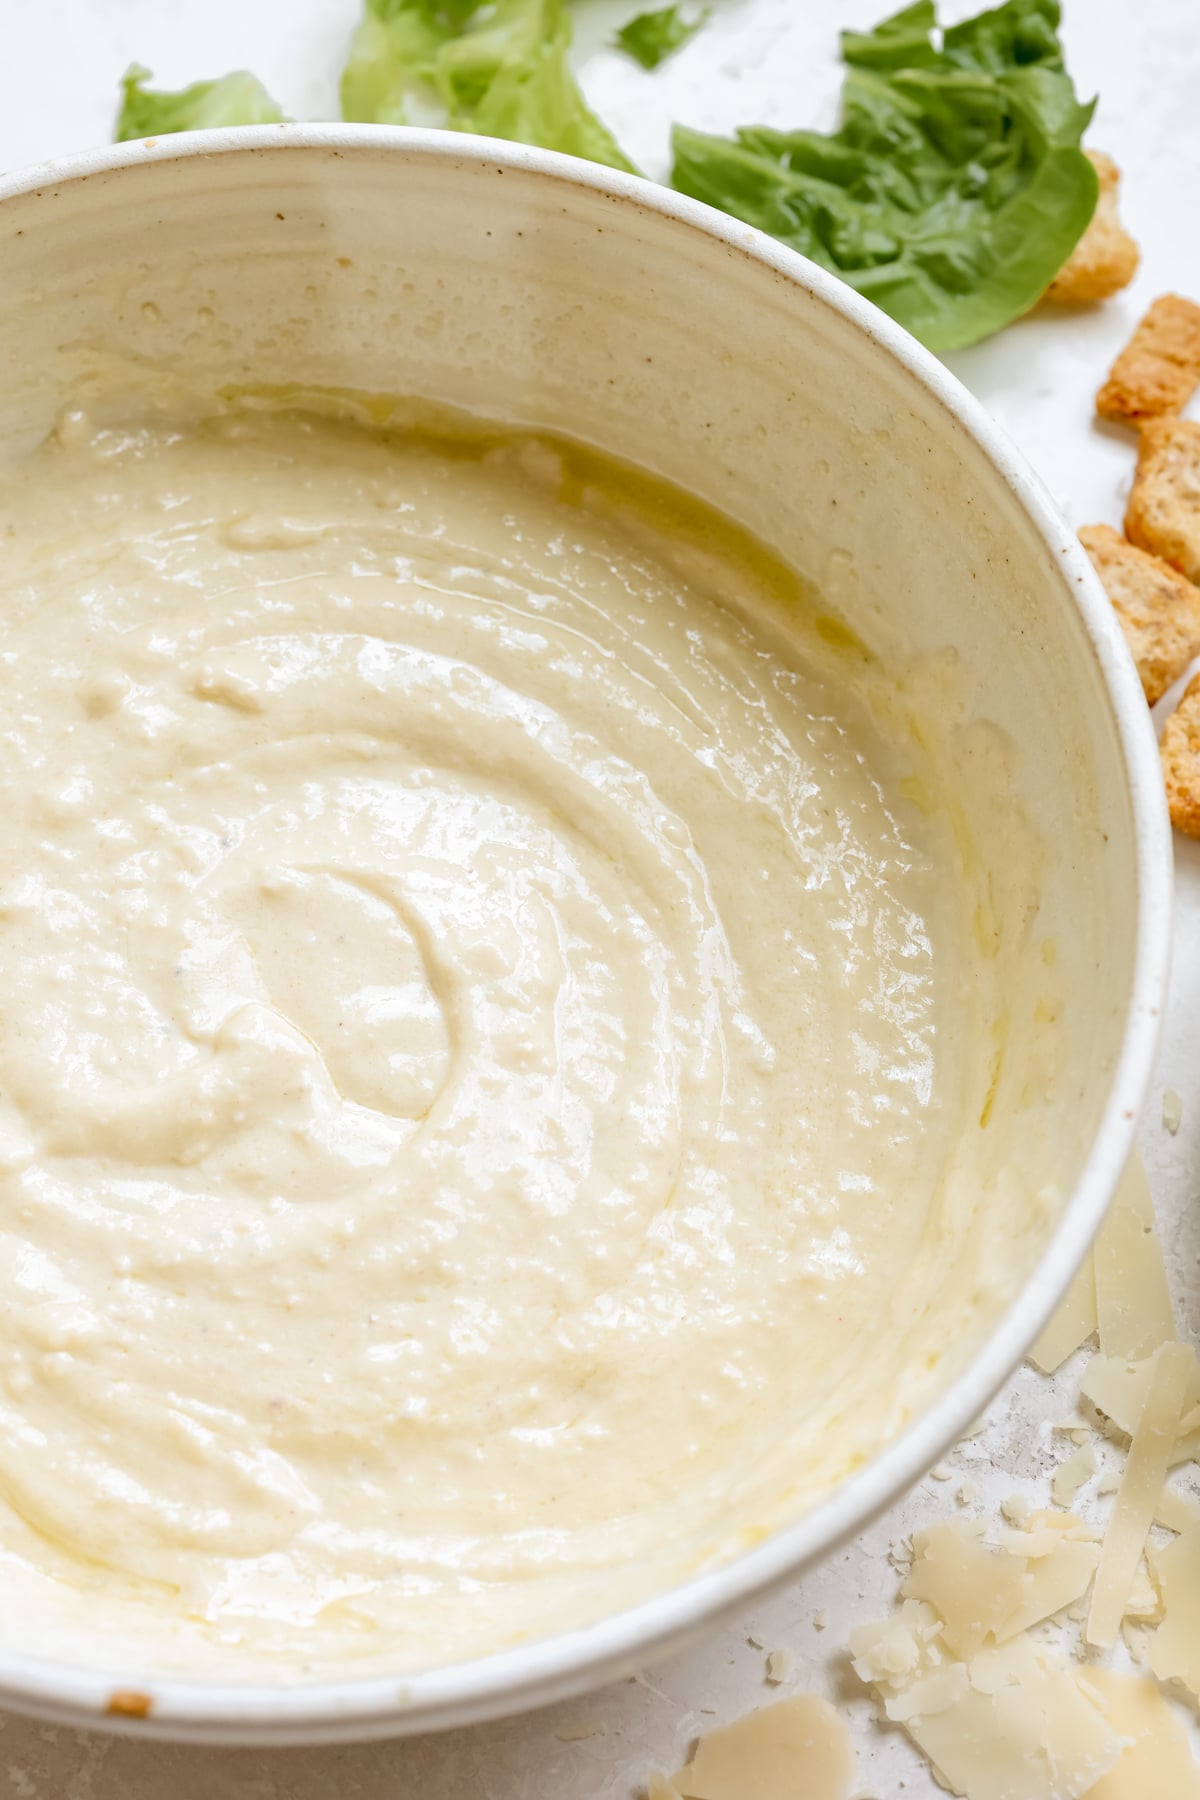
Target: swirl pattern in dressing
{"type": "Point", "coordinates": [468, 1013]}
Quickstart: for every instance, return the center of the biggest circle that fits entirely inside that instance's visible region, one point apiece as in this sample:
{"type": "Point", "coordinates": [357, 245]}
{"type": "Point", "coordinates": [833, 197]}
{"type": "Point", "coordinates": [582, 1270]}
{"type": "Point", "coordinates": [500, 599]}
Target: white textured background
{"type": "Point", "coordinates": [772, 61]}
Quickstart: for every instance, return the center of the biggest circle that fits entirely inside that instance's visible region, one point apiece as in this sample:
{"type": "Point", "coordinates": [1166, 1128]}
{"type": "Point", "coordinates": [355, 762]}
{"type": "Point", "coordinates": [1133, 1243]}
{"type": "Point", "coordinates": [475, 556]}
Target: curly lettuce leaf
{"type": "Point", "coordinates": [653, 36]}
{"type": "Point", "coordinates": [499, 68]}
{"type": "Point", "coordinates": [237, 99]}
{"type": "Point", "coordinates": [899, 42]}
{"type": "Point", "coordinates": [953, 190]}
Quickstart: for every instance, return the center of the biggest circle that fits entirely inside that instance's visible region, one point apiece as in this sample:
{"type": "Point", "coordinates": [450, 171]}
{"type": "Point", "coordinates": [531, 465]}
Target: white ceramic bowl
{"type": "Point", "coordinates": [523, 284]}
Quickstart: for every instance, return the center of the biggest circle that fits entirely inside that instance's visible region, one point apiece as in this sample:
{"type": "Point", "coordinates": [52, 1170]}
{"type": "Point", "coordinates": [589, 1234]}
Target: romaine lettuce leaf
{"type": "Point", "coordinates": [237, 99]}
{"type": "Point", "coordinates": [653, 36]}
{"type": "Point", "coordinates": [498, 68]}
{"type": "Point", "coordinates": [954, 189]}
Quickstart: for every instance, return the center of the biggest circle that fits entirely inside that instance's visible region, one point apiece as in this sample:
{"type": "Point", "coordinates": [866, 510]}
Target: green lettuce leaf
{"type": "Point", "coordinates": [498, 68]}
{"type": "Point", "coordinates": [237, 99]}
{"type": "Point", "coordinates": [653, 36]}
{"type": "Point", "coordinates": [954, 189]}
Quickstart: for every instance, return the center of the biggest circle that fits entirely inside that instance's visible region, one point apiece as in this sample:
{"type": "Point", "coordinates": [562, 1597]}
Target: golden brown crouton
{"type": "Point", "coordinates": [1159, 367]}
{"type": "Point", "coordinates": [1159, 610]}
{"type": "Point", "coordinates": [129, 1703]}
{"type": "Point", "coordinates": [1181, 761]}
{"type": "Point", "coordinates": [1163, 515]}
{"type": "Point", "coordinates": [1106, 258]}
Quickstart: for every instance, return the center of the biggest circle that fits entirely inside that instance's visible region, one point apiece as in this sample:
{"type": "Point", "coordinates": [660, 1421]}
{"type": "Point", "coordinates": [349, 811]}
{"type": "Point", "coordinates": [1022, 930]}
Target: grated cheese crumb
{"type": "Point", "coordinates": [1072, 1474]}
{"type": "Point", "coordinates": [1172, 1110]}
{"type": "Point", "coordinates": [780, 1664]}
{"type": "Point", "coordinates": [896, 1649]}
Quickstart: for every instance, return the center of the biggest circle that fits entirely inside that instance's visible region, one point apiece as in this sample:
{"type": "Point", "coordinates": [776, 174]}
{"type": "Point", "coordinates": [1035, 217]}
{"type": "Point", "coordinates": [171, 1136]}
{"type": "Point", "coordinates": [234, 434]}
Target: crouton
{"type": "Point", "coordinates": [1181, 761]}
{"type": "Point", "coordinates": [1163, 515]}
{"type": "Point", "coordinates": [1158, 609]}
{"type": "Point", "coordinates": [1106, 258]}
{"type": "Point", "coordinates": [1159, 367]}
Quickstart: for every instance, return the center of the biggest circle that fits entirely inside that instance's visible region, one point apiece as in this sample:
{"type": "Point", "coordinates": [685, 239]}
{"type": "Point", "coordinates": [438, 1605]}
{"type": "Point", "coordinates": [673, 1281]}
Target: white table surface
{"type": "Point", "coordinates": [758, 60]}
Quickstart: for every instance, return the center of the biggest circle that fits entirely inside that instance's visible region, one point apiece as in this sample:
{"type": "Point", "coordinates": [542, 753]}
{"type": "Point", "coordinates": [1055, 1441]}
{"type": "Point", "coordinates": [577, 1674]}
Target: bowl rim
{"type": "Point", "coordinates": [515, 1679]}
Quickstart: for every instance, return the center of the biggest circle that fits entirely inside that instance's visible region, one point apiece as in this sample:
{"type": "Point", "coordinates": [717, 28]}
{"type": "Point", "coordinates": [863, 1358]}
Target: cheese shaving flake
{"type": "Point", "coordinates": [1140, 1489]}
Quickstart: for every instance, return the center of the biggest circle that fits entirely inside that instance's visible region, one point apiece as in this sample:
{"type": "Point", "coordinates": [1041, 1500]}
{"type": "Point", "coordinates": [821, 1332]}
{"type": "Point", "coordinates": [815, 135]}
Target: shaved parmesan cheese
{"type": "Point", "coordinates": [1133, 1302]}
{"type": "Point", "coordinates": [1143, 1601]}
{"type": "Point", "coordinates": [1043, 1532]}
{"type": "Point", "coordinates": [998, 1716]}
{"type": "Point", "coordinates": [1138, 1494]}
{"type": "Point", "coordinates": [659, 1788]}
{"type": "Point", "coordinates": [1051, 1583]}
{"type": "Point", "coordinates": [981, 1594]}
{"type": "Point", "coordinates": [1033, 1736]}
{"type": "Point", "coordinates": [1187, 1447]}
{"type": "Point", "coordinates": [972, 1589]}
{"type": "Point", "coordinates": [1072, 1474]}
{"type": "Point", "coordinates": [1176, 1511]}
{"type": "Point", "coordinates": [1010, 1725]}
{"type": "Point", "coordinates": [931, 1694]}
{"type": "Point", "coordinates": [1072, 1324]}
{"type": "Point", "coordinates": [1003, 1665]}
{"type": "Point", "coordinates": [1137, 1639]}
{"type": "Point", "coordinates": [1157, 1763]}
{"type": "Point", "coordinates": [780, 1664]}
{"type": "Point", "coordinates": [1118, 1389]}
{"type": "Point", "coordinates": [797, 1750]}
{"type": "Point", "coordinates": [896, 1650]}
{"type": "Point", "coordinates": [1174, 1649]}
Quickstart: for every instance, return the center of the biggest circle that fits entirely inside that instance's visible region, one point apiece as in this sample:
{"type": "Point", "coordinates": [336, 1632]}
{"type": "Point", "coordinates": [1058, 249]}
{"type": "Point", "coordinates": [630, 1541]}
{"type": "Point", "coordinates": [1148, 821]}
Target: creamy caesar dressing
{"type": "Point", "coordinates": [482, 1032]}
